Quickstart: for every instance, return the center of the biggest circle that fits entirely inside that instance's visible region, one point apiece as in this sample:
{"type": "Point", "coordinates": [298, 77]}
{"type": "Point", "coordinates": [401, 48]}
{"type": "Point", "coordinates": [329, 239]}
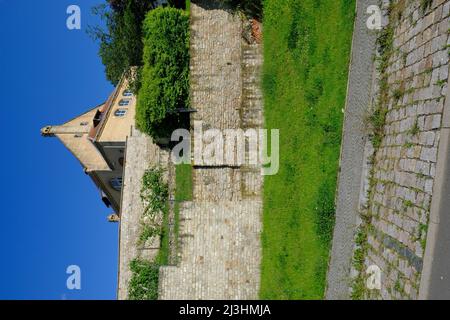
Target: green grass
{"type": "Point", "coordinates": [306, 52]}
{"type": "Point", "coordinates": [183, 178]}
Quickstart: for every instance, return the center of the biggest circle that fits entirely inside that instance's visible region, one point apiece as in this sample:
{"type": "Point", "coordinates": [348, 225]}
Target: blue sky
{"type": "Point", "coordinates": [51, 214]}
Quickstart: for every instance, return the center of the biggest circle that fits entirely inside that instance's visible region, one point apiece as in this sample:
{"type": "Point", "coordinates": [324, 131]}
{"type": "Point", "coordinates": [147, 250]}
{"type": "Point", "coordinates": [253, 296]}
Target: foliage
{"type": "Point", "coordinates": [306, 58]}
{"type": "Point", "coordinates": [358, 284]}
{"type": "Point", "coordinates": [165, 75]}
{"type": "Point", "coordinates": [154, 191]}
{"type": "Point", "coordinates": [415, 129]}
{"type": "Point", "coordinates": [121, 42]}
{"type": "Point", "coordinates": [385, 42]}
{"type": "Point", "coordinates": [378, 118]}
{"type": "Point", "coordinates": [425, 5]}
{"type": "Point", "coordinates": [148, 231]}
{"type": "Point", "coordinates": [143, 284]}
{"type": "Point", "coordinates": [154, 195]}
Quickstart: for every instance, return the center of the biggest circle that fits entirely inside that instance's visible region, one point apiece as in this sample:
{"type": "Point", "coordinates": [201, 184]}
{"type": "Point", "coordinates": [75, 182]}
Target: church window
{"type": "Point", "coordinates": [116, 183]}
{"type": "Point", "coordinates": [127, 93]}
{"type": "Point", "coordinates": [124, 102]}
{"type": "Point", "coordinates": [120, 112]}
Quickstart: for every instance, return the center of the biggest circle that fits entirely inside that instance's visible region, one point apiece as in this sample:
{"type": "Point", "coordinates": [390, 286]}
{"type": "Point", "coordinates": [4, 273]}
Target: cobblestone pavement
{"type": "Point", "coordinates": [404, 167]}
{"type": "Point", "coordinates": [220, 256]}
{"type": "Point", "coordinates": [220, 229]}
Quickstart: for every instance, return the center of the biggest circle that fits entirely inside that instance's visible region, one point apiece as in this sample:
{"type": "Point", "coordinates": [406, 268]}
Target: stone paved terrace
{"type": "Point", "coordinates": [405, 164]}
{"type": "Point", "coordinates": [141, 153]}
{"type": "Point", "coordinates": [219, 260]}
{"type": "Point", "coordinates": [220, 229]}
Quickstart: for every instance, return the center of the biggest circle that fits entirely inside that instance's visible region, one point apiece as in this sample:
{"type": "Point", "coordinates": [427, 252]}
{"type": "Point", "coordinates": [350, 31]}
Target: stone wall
{"type": "Point", "coordinates": [141, 154]}
{"type": "Point", "coordinates": [404, 165]}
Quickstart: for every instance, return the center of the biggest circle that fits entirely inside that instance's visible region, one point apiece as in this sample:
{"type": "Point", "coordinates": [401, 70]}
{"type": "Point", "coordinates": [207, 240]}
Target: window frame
{"type": "Point", "coordinates": [120, 112]}
{"type": "Point", "coordinates": [127, 93]}
{"type": "Point", "coordinates": [124, 102]}
{"type": "Point", "coordinates": [114, 183]}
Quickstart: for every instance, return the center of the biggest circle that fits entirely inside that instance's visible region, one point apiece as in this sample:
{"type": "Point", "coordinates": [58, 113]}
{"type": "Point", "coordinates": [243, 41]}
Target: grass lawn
{"type": "Point", "coordinates": [183, 180]}
{"type": "Point", "coordinates": [306, 52]}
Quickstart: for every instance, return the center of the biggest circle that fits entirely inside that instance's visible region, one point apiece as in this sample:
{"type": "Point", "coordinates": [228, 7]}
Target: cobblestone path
{"type": "Point", "coordinates": [220, 229]}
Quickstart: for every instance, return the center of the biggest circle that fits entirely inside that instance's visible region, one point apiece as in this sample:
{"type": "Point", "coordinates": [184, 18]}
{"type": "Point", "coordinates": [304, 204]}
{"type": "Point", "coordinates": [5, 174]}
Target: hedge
{"type": "Point", "coordinates": [164, 82]}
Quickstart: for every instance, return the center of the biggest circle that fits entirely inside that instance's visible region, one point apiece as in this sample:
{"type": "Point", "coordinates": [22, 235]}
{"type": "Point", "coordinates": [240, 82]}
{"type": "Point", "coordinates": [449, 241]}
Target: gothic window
{"type": "Point", "coordinates": [116, 183]}
{"type": "Point", "coordinates": [120, 112]}
{"type": "Point", "coordinates": [124, 102]}
{"type": "Point", "coordinates": [127, 93]}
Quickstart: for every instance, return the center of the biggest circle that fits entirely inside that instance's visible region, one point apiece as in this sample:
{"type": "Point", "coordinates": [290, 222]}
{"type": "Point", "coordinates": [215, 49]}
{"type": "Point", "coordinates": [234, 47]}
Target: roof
{"type": "Point", "coordinates": [74, 135]}
{"type": "Point", "coordinates": [95, 132]}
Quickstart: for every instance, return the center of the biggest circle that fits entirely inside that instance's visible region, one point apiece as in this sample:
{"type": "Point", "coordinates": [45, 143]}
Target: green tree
{"type": "Point", "coordinates": [121, 42]}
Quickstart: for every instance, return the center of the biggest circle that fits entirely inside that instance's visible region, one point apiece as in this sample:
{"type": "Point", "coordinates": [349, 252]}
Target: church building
{"type": "Point", "coordinates": [98, 140]}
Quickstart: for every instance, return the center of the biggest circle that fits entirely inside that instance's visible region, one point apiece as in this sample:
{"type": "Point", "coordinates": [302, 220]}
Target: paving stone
{"type": "Point", "coordinates": [406, 161]}
{"type": "Point", "coordinates": [220, 229]}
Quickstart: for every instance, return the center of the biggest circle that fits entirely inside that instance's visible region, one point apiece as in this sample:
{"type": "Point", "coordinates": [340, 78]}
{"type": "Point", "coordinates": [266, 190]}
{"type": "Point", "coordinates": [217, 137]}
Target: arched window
{"type": "Point", "coordinates": [116, 183]}
{"type": "Point", "coordinates": [124, 102]}
{"type": "Point", "coordinates": [120, 112]}
{"type": "Point", "coordinates": [127, 93]}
